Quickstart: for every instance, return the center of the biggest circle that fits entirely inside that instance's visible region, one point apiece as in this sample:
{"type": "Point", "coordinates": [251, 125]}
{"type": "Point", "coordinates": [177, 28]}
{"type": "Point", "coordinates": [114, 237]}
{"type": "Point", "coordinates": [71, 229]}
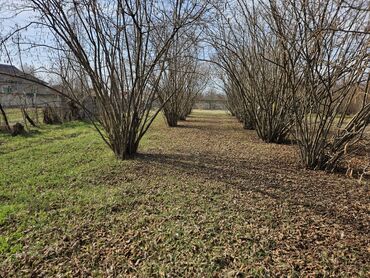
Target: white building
{"type": "Point", "coordinates": [19, 89]}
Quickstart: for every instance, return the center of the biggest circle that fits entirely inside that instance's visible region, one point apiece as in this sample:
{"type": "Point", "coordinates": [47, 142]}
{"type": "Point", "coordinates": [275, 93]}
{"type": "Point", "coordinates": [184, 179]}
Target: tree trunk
{"type": "Point", "coordinates": [131, 149]}
{"type": "Point", "coordinates": [248, 123]}
{"type": "Point", "coordinates": [28, 118]}
{"type": "Point", "coordinates": [171, 118]}
{"type": "Point", "coordinates": [5, 117]}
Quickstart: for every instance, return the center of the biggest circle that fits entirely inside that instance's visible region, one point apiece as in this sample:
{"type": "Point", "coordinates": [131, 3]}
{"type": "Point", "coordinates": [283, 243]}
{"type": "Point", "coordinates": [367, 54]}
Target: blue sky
{"type": "Point", "coordinates": [37, 57]}
{"type": "Point", "coordinates": [9, 22]}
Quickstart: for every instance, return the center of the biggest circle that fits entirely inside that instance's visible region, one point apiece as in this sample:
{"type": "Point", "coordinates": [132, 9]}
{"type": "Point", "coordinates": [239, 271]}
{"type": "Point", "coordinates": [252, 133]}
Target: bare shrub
{"type": "Point", "coordinates": [183, 76]}
{"type": "Point", "coordinates": [51, 115]}
{"type": "Point", "coordinates": [326, 61]}
{"type": "Point", "coordinates": [119, 45]}
{"type": "Point", "coordinates": [257, 89]}
{"type": "Point", "coordinates": [18, 129]}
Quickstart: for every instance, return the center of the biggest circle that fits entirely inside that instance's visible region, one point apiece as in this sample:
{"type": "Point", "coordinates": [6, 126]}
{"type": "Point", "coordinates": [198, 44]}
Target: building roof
{"type": "Point", "coordinates": [12, 71]}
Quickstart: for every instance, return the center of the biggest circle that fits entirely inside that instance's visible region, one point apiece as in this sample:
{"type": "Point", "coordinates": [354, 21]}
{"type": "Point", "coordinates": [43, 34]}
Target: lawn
{"type": "Point", "coordinates": [204, 199]}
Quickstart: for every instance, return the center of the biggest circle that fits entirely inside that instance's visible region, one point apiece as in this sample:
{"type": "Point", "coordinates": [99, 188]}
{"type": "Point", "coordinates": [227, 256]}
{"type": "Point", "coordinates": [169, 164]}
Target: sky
{"type": "Point", "coordinates": [12, 18]}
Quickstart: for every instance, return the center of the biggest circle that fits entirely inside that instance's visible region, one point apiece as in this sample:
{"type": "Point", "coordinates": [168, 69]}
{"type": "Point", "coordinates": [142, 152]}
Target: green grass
{"type": "Point", "coordinates": [53, 168]}
{"type": "Point", "coordinates": [59, 179]}
{"type": "Point", "coordinates": [45, 170]}
{"type": "Point", "coordinates": [69, 208]}
{"type": "Point", "coordinates": [14, 115]}
{"type": "Point", "coordinates": [48, 176]}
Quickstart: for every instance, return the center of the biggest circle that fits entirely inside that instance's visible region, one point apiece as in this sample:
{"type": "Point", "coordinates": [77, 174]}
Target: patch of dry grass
{"type": "Point", "coordinates": [204, 199]}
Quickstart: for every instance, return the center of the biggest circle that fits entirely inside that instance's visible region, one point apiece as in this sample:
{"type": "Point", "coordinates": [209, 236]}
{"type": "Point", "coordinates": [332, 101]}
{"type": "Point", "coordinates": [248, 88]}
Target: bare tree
{"type": "Point", "coordinates": [181, 73]}
{"type": "Point", "coordinates": [297, 63]}
{"type": "Point", "coordinates": [327, 63]}
{"type": "Point", "coordinates": [5, 118]}
{"type": "Point", "coordinates": [196, 84]}
{"type": "Point", "coordinates": [245, 46]}
{"type": "Point", "coordinates": [183, 79]}
{"type": "Point", "coordinates": [120, 46]}
{"type": "Point", "coordinates": [236, 102]}
{"type": "Point", "coordinates": [3, 113]}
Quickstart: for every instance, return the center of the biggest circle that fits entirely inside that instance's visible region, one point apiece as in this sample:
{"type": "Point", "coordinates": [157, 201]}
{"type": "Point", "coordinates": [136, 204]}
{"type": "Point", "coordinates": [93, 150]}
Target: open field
{"type": "Point", "coordinates": [204, 199]}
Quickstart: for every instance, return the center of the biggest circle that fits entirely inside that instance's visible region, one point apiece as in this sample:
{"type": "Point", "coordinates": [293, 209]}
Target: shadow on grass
{"type": "Point", "coordinates": [180, 126]}
{"type": "Point", "coordinates": [323, 196]}
{"type": "Point", "coordinates": [30, 134]}
{"type": "Point", "coordinates": [26, 134]}
{"type": "Point", "coordinates": [72, 124]}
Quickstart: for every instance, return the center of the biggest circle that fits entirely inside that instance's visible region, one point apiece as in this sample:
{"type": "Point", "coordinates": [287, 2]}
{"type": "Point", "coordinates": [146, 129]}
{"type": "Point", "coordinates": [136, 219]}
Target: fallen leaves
{"type": "Point", "coordinates": [209, 199]}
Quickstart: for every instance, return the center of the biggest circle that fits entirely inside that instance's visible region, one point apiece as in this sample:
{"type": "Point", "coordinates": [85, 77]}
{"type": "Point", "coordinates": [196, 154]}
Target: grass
{"type": "Point", "coordinates": [14, 115]}
{"type": "Point", "coordinates": [204, 199]}
{"type": "Point", "coordinates": [36, 172]}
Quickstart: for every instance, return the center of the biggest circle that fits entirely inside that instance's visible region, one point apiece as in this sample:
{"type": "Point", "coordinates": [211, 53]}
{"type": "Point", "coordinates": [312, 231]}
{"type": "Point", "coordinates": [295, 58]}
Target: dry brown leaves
{"type": "Point", "coordinates": [210, 199]}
